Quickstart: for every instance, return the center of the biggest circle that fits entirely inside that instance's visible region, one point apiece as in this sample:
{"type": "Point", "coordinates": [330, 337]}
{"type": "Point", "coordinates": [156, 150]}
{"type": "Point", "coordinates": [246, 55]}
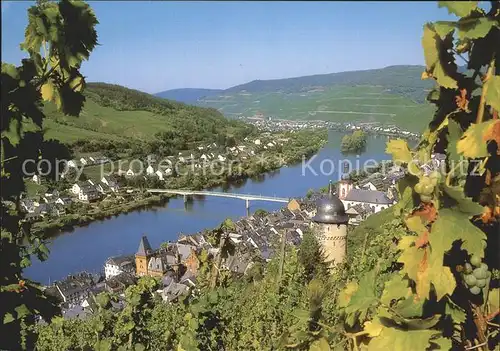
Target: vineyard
{"type": "Point", "coordinates": [426, 278]}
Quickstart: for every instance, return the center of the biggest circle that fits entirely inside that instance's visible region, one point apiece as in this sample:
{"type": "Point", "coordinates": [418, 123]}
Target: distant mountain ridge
{"type": "Point", "coordinates": [187, 95]}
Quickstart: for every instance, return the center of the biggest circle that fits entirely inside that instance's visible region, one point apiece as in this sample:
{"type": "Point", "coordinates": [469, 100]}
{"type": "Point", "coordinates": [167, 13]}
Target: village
{"type": "Point", "coordinates": [254, 240]}
{"type": "Point", "coordinates": [105, 184]}
{"type": "Point", "coordinates": [273, 124]}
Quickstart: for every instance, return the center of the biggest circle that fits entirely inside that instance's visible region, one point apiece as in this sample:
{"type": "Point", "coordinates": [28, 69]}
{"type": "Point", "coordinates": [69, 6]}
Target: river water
{"type": "Point", "coordinates": [87, 248]}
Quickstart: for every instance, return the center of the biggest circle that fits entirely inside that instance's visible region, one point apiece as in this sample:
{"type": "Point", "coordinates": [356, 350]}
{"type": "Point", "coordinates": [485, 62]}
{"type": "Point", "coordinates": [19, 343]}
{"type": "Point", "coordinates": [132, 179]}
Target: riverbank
{"type": "Point", "coordinates": [304, 144]}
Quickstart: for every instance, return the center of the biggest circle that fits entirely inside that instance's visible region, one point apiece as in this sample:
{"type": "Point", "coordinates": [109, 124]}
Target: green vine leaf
{"type": "Point", "coordinates": [364, 297]}
{"type": "Point", "coordinates": [443, 343]}
{"type": "Point", "coordinates": [396, 288]}
{"type": "Point", "coordinates": [493, 92]}
{"type": "Point", "coordinates": [452, 226]}
{"type": "Point", "coordinates": [456, 313]}
{"type": "Point", "coordinates": [459, 8]}
{"type": "Point", "coordinates": [443, 28]}
{"type": "Point", "coordinates": [475, 29]}
{"type": "Point", "coordinates": [464, 204]}
{"type": "Point", "coordinates": [320, 345]}
{"type": "Point", "coordinates": [454, 134]}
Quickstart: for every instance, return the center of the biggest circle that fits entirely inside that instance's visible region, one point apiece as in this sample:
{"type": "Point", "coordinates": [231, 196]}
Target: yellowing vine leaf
{"type": "Point", "coordinates": [401, 340]}
{"type": "Point", "coordinates": [493, 93]}
{"type": "Point", "coordinates": [399, 150]}
{"type": "Point", "coordinates": [320, 345]}
{"type": "Point", "coordinates": [459, 8]}
{"type": "Point", "coordinates": [414, 223]}
{"type": "Point", "coordinates": [442, 78]}
{"type": "Point", "coordinates": [472, 144]}
{"type": "Point", "coordinates": [47, 91]}
{"type": "Point", "coordinates": [493, 132]}
{"type": "Point", "coordinates": [373, 327]}
{"type": "Point", "coordinates": [345, 295]}
{"type": "Point", "coordinates": [429, 43]}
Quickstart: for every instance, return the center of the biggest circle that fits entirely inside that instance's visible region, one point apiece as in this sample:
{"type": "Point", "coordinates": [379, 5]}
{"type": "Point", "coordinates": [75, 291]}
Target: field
{"type": "Point", "coordinates": [99, 122]}
{"type": "Point", "coordinates": [361, 103]}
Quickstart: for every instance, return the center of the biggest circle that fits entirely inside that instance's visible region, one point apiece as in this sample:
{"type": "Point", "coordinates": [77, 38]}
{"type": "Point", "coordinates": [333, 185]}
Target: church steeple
{"type": "Point", "coordinates": [144, 247]}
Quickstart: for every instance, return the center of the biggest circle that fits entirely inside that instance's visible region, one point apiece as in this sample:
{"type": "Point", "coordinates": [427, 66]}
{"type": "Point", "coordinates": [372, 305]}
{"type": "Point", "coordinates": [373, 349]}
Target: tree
{"type": "Point", "coordinates": [311, 257]}
{"type": "Point", "coordinates": [65, 33]}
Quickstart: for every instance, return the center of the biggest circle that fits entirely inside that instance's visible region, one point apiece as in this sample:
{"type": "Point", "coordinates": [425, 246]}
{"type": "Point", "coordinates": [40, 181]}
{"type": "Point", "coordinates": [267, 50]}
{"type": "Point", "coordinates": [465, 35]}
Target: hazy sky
{"type": "Point", "coordinates": [155, 46]}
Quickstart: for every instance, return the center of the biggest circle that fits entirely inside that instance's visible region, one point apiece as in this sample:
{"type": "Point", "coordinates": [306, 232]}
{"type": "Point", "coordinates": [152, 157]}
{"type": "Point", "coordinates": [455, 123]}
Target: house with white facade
{"type": "Point", "coordinates": [37, 179]}
{"type": "Point", "coordinates": [118, 265]}
{"type": "Point", "coordinates": [159, 174]}
{"type": "Point", "coordinates": [150, 170]}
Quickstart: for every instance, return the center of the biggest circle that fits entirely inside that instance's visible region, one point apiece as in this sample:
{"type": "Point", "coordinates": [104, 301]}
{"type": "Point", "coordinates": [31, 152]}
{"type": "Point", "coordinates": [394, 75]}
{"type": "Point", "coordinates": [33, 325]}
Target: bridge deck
{"type": "Point", "coordinates": [249, 197]}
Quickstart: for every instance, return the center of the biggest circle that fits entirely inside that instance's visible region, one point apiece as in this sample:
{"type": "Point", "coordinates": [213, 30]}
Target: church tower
{"type": "Point", "coordinates": [142, 257]}
{"type": "Point", "coordinates": [330, 223]}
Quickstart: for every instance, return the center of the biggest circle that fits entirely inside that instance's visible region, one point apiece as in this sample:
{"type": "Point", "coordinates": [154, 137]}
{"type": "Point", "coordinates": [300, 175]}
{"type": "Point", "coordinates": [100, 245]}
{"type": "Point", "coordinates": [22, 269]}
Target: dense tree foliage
{"type": "Point", "coordinates": [355, 142]}
{"type": "Point", "coordinates": [58, 37]}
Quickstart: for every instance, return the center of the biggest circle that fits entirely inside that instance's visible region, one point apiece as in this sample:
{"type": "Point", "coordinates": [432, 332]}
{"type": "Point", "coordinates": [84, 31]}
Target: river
{"type": "Point", "coordinates": [87, 248]}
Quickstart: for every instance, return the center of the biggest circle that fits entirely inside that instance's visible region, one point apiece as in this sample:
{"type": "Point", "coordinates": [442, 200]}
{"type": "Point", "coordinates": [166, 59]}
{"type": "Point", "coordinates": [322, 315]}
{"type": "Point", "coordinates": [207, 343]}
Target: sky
{"type": "Point", "coordinates": [160, 45]}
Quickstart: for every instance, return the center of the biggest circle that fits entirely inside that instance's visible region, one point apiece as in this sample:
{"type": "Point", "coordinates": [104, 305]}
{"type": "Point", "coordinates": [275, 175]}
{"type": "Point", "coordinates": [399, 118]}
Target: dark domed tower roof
{"type": "Point", "coordinates": [330, 210]}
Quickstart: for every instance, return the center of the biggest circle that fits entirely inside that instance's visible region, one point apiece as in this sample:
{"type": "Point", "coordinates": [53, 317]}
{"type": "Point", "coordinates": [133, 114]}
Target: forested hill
{"type": "Point", "coordinates": [113, 112]}
{"type": "Point", "coordinates": [391, 76]}
{"type": "Point", "coordinates": [187, 95]}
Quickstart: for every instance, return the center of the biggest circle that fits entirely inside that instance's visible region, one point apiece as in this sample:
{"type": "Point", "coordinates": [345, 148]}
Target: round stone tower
{"type": "Point", "coordinates": [330, 223]}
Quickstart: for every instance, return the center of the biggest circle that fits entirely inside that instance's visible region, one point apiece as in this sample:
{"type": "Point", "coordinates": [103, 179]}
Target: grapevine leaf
{"type": "Point", "coordinates": [395, 339]}
{"type": "Point", "coordinates": [346, 294]}
{"type": "Point", "coordinates": [411, 258]}
{"type": "Point", "coordinates": [415, 224]}
{"type": "Point", "coordinates": [472, 144]}
{"type": "Point", "coordinates": [373, 327]}
{"type": "Point", "coordinates": [443, 28]}
{"type": "Point", "coordinates": [8, 318]}
{"type": "Point", "coordinates": [22, 311]}
{"type": "Point", "coordinates": [48, 91]}
{"type": "Point", "coordinates": [399, 150]}
{"type": "Point", "coordinates": [320, 345]}
{"type": "Point", "coordinates": [429, 44]}
{"type": "Point", "coordinates": [10, 70]}
{"type": "Point", "coordinates": [494, 299]}
{"type": "Point", "coordinates": [454, 134]}
{"type": "Point", "coordinates": [442, 78]}
{"type": "Point", "coordinates": [493, 92]}
{"type": "Point", "coordinates": [396, 288]}
{"type": "Point", "coordinates": [442, 279]}
{"type": "Point", "coordinates": [456, 313]}
{"type": "Point", "coordinates": [475, 29]}
{"type": "Point", "coordinates": [459, 8]}
{"type": "Point", "coordinates": [364, 298]}
{"type": "Point", "coordinates": [464, 204]}
{"type": "Point", "coordinates": [443, 343]}
{"type": "Point", "coordinates": [493, 132]}
{"type": "Point", "coordinates": [452, 226]}
{"type": "Point", "coordinates": [410, 307]}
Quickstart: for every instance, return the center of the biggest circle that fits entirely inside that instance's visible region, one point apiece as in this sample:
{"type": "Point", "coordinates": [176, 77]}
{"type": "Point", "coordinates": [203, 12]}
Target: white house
{"type": "Point", "coordinates": [221, 158]}
{"type": "Point", "coordinates": [150, 170]}
{"type": "Point", "coordinates": [117, 265]}
{"type": "Point", "coordinates": [159, 174]}
{"type": "Point", "coordinates": [85, 191]}
{"type": "Point", "coordinates": [203, 157]}
{"type": "Point", "coordinates": [377, 200]}
{"type": "Point", "coordinates": [84, 161]}
{"type": "Point", "coordinates": [270, 144]}
{"type": "Point", "coordinates": [257, 142]}
{"type": "Point", "coordinates": [37, 179]}
{"type": "Point", "coordinates": [168, 172]}
{"type": "Point", "coordinates": [112, 183]}
{"type": "Point", "coordinates": [72, 163]}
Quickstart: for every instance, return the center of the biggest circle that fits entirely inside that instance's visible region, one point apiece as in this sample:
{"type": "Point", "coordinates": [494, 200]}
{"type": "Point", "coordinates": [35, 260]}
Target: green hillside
{"type": "Point", "coordinates": [116, 113]}
{"type": "Point", "coordinates": [391, 95]}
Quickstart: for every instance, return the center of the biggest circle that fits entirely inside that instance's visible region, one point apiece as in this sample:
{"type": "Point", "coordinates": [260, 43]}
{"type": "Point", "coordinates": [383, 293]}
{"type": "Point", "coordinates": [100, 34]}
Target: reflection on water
{"type": "Point", "coordinates": [87, 248]}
